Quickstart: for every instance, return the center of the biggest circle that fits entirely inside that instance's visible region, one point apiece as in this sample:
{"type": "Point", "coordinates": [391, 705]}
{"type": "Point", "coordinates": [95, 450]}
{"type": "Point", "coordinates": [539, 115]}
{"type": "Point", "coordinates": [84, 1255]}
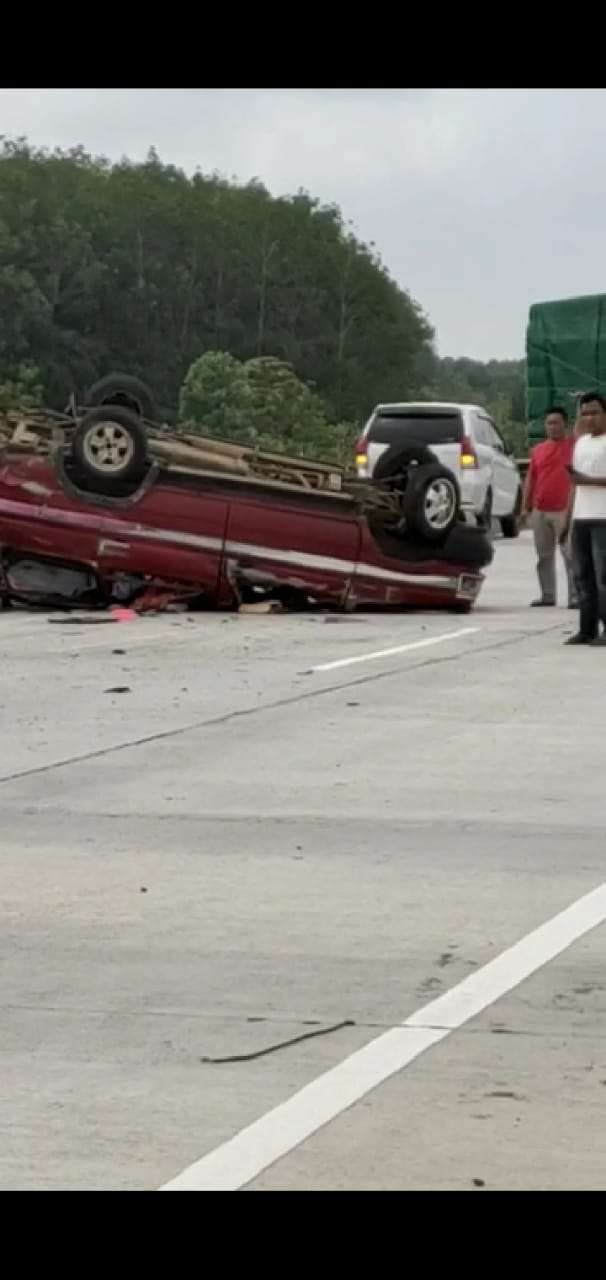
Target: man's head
{"type": "Point", "coordinates": [556, 422]}
{"type": "Point", "coordinates": [592, 413]}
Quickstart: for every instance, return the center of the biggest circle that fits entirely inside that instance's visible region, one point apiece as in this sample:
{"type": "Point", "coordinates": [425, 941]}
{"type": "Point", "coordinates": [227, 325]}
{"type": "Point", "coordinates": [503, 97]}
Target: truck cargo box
{"type": "Point", "coordinates": [566, 355]}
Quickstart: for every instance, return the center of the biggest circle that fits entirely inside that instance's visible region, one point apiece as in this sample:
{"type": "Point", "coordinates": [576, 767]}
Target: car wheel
{"type": "Point", "coordinates": [432, 501]}
{"type": "Point", "coordinates": [125, 391]}
{"type": "Point", "coordinates": [393, 465]}
{"type": "Point", "coordinates": [485, 516]}
{"type": "Point", "coordinates": [510, 525]}
{"type": "Point", "coordinates": [109, 449]}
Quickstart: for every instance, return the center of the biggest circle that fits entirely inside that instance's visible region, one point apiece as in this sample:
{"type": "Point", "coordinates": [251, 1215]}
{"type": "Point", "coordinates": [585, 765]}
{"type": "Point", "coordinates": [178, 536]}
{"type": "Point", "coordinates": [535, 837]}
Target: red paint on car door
{"type": "Point", "coordinates": [176, 532]}
{"type": "Point", "coordinates": [311, 543]}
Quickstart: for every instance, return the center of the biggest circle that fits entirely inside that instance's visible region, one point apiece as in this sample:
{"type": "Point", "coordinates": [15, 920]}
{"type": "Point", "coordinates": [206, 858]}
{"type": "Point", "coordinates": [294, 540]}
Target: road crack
{"type": "Point", "coordinates": [291, 700]}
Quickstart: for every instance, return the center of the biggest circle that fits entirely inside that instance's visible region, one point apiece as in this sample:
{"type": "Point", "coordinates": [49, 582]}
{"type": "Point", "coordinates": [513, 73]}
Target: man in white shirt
{"type": "Point", "coordinates": [588, 539]}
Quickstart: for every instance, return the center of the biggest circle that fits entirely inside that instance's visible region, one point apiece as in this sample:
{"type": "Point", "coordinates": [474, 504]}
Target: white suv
{"type": "Point", "coordinates": [465, 439]}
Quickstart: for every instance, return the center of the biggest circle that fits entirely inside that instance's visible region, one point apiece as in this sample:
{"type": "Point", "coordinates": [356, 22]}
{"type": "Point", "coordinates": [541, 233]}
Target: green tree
{"type": "Point", "coordinates": [140, 267]}
{"type": "Point", "coordinates": [263, 402]}
{"type": "Point", "coordinates": [21, 389]}
{"type": "Point", "coordinates": [284, 407]}
{"type": "Point", "coordinates": [289, 415]}
{"type": "Point", "coordinates": [137, 266]}
{"type": "Point", "coordinates": [216, 398]}
{"type": "Point", "coordinates": [498, 385]}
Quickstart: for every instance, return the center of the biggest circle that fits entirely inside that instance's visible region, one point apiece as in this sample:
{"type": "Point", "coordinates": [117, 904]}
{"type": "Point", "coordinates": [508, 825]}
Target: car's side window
{"type": "Point", "coordinates": [498, 440]}
{"type": "Point", "coordinates": [492, 436]}
{"type": "Point", "coordinates": [480, 428]}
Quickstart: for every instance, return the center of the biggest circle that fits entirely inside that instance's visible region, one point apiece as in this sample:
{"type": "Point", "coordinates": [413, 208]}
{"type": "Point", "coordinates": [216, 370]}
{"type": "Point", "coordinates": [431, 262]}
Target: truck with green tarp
{"type": "Point", "coordinates": [565, 356]}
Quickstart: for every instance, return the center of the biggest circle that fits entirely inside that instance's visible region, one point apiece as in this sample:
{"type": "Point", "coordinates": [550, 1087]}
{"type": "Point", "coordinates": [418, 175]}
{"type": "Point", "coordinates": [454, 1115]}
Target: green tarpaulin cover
{"type": "Point", "coordinates": [565, 354]}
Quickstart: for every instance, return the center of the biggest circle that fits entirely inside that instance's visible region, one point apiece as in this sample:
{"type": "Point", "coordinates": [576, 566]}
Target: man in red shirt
{"type": "Point", "coordinates": [546, 497]}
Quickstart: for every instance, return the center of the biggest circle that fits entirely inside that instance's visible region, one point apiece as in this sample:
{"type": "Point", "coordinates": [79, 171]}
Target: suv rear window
{"type": "Point", "coordinates": [427, 428]}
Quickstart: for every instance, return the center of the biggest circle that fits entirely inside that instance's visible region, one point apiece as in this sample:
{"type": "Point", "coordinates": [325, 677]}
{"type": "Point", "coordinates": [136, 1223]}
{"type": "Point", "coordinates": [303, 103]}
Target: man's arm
{"type": "Point", "coordinates": [527, 491]}
{"type": "Point", "coordinates": [568, 518]}
{"type": "Point", "coordinates": [596, 482]}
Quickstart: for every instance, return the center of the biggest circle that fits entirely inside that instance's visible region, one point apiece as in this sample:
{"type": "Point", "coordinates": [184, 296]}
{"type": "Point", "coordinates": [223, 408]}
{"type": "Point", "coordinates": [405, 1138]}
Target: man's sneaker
{"type": "Point", "coordinates": [579, 638]}
{"type": "Point", "coordinates": [599, 642]}
{"type": "Point", "coordinates": [542, 604]}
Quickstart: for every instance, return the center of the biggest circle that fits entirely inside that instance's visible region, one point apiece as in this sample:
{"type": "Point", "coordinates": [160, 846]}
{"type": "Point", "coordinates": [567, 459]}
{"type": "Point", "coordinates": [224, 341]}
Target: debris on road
{"type": "Point", "coordinates": [281, 1044]}
{"type": "Point", "coordinates": [123, 615]}
{"type": "Point", "coordinates": [262, 606]}
{"type": "Point", "coordinates": [336, 617]}
{"type": "Point", "coordinates": [74, 621]}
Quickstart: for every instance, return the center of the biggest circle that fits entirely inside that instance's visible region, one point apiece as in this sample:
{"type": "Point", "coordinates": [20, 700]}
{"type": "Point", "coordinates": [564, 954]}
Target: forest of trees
{"type": "Point", "coordinates": [138, 267]}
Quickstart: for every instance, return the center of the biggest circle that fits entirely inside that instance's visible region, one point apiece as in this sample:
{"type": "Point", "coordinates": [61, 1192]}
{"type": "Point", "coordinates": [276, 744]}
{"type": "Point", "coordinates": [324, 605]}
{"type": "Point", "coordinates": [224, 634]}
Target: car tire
{"type": "Point", "coordinates": [432, 501]}
{"type": "Point", "coordinates": [109, 449]}
{"type": "Point", "coordinates": [393, 465]}
{"type": "Point", "coordinates": [464, 545]}
{"type": "Point", "coordinates": [125, 391]}
{"type": "Point", "coordinates": [510, 525]}
{"type": "Point", "coordinates": [485, 516]}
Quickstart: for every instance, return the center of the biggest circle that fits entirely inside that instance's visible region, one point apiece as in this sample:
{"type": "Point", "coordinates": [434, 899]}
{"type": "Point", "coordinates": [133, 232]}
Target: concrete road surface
{"type": "Point", "coordinates": [314, 830]}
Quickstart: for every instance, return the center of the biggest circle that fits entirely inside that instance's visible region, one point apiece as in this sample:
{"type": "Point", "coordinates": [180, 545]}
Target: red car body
{"type": "Point", "coordinates": [214, 535]}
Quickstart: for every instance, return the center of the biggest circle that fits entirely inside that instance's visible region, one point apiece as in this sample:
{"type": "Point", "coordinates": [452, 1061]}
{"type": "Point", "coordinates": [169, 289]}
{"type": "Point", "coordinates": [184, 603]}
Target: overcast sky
{"type": "Point", "coordinates": [480, 201]}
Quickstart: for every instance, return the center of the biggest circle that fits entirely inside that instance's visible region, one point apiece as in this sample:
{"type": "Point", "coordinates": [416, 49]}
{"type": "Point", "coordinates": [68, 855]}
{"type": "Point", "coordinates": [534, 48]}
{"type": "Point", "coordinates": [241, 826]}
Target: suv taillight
{"type": "Point", "coordinates": [361, 452]}
{"type": "Point", "coordinates": [468, 456]}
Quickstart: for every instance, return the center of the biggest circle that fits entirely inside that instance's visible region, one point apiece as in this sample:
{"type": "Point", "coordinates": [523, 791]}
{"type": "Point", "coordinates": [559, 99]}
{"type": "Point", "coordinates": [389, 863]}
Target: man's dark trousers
{"type": "Point", "coordinates": [588, 546]}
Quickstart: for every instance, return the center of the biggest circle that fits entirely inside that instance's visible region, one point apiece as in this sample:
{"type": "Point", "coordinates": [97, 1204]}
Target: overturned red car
{"type": "Point", "coordinates": [101, 504]}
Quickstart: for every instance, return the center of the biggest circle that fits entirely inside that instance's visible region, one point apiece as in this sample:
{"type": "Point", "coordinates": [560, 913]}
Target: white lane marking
{"type": "Point", "coordinates": [238, 1161]}
{"type": "Point", "coordinates": [398, 648]}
